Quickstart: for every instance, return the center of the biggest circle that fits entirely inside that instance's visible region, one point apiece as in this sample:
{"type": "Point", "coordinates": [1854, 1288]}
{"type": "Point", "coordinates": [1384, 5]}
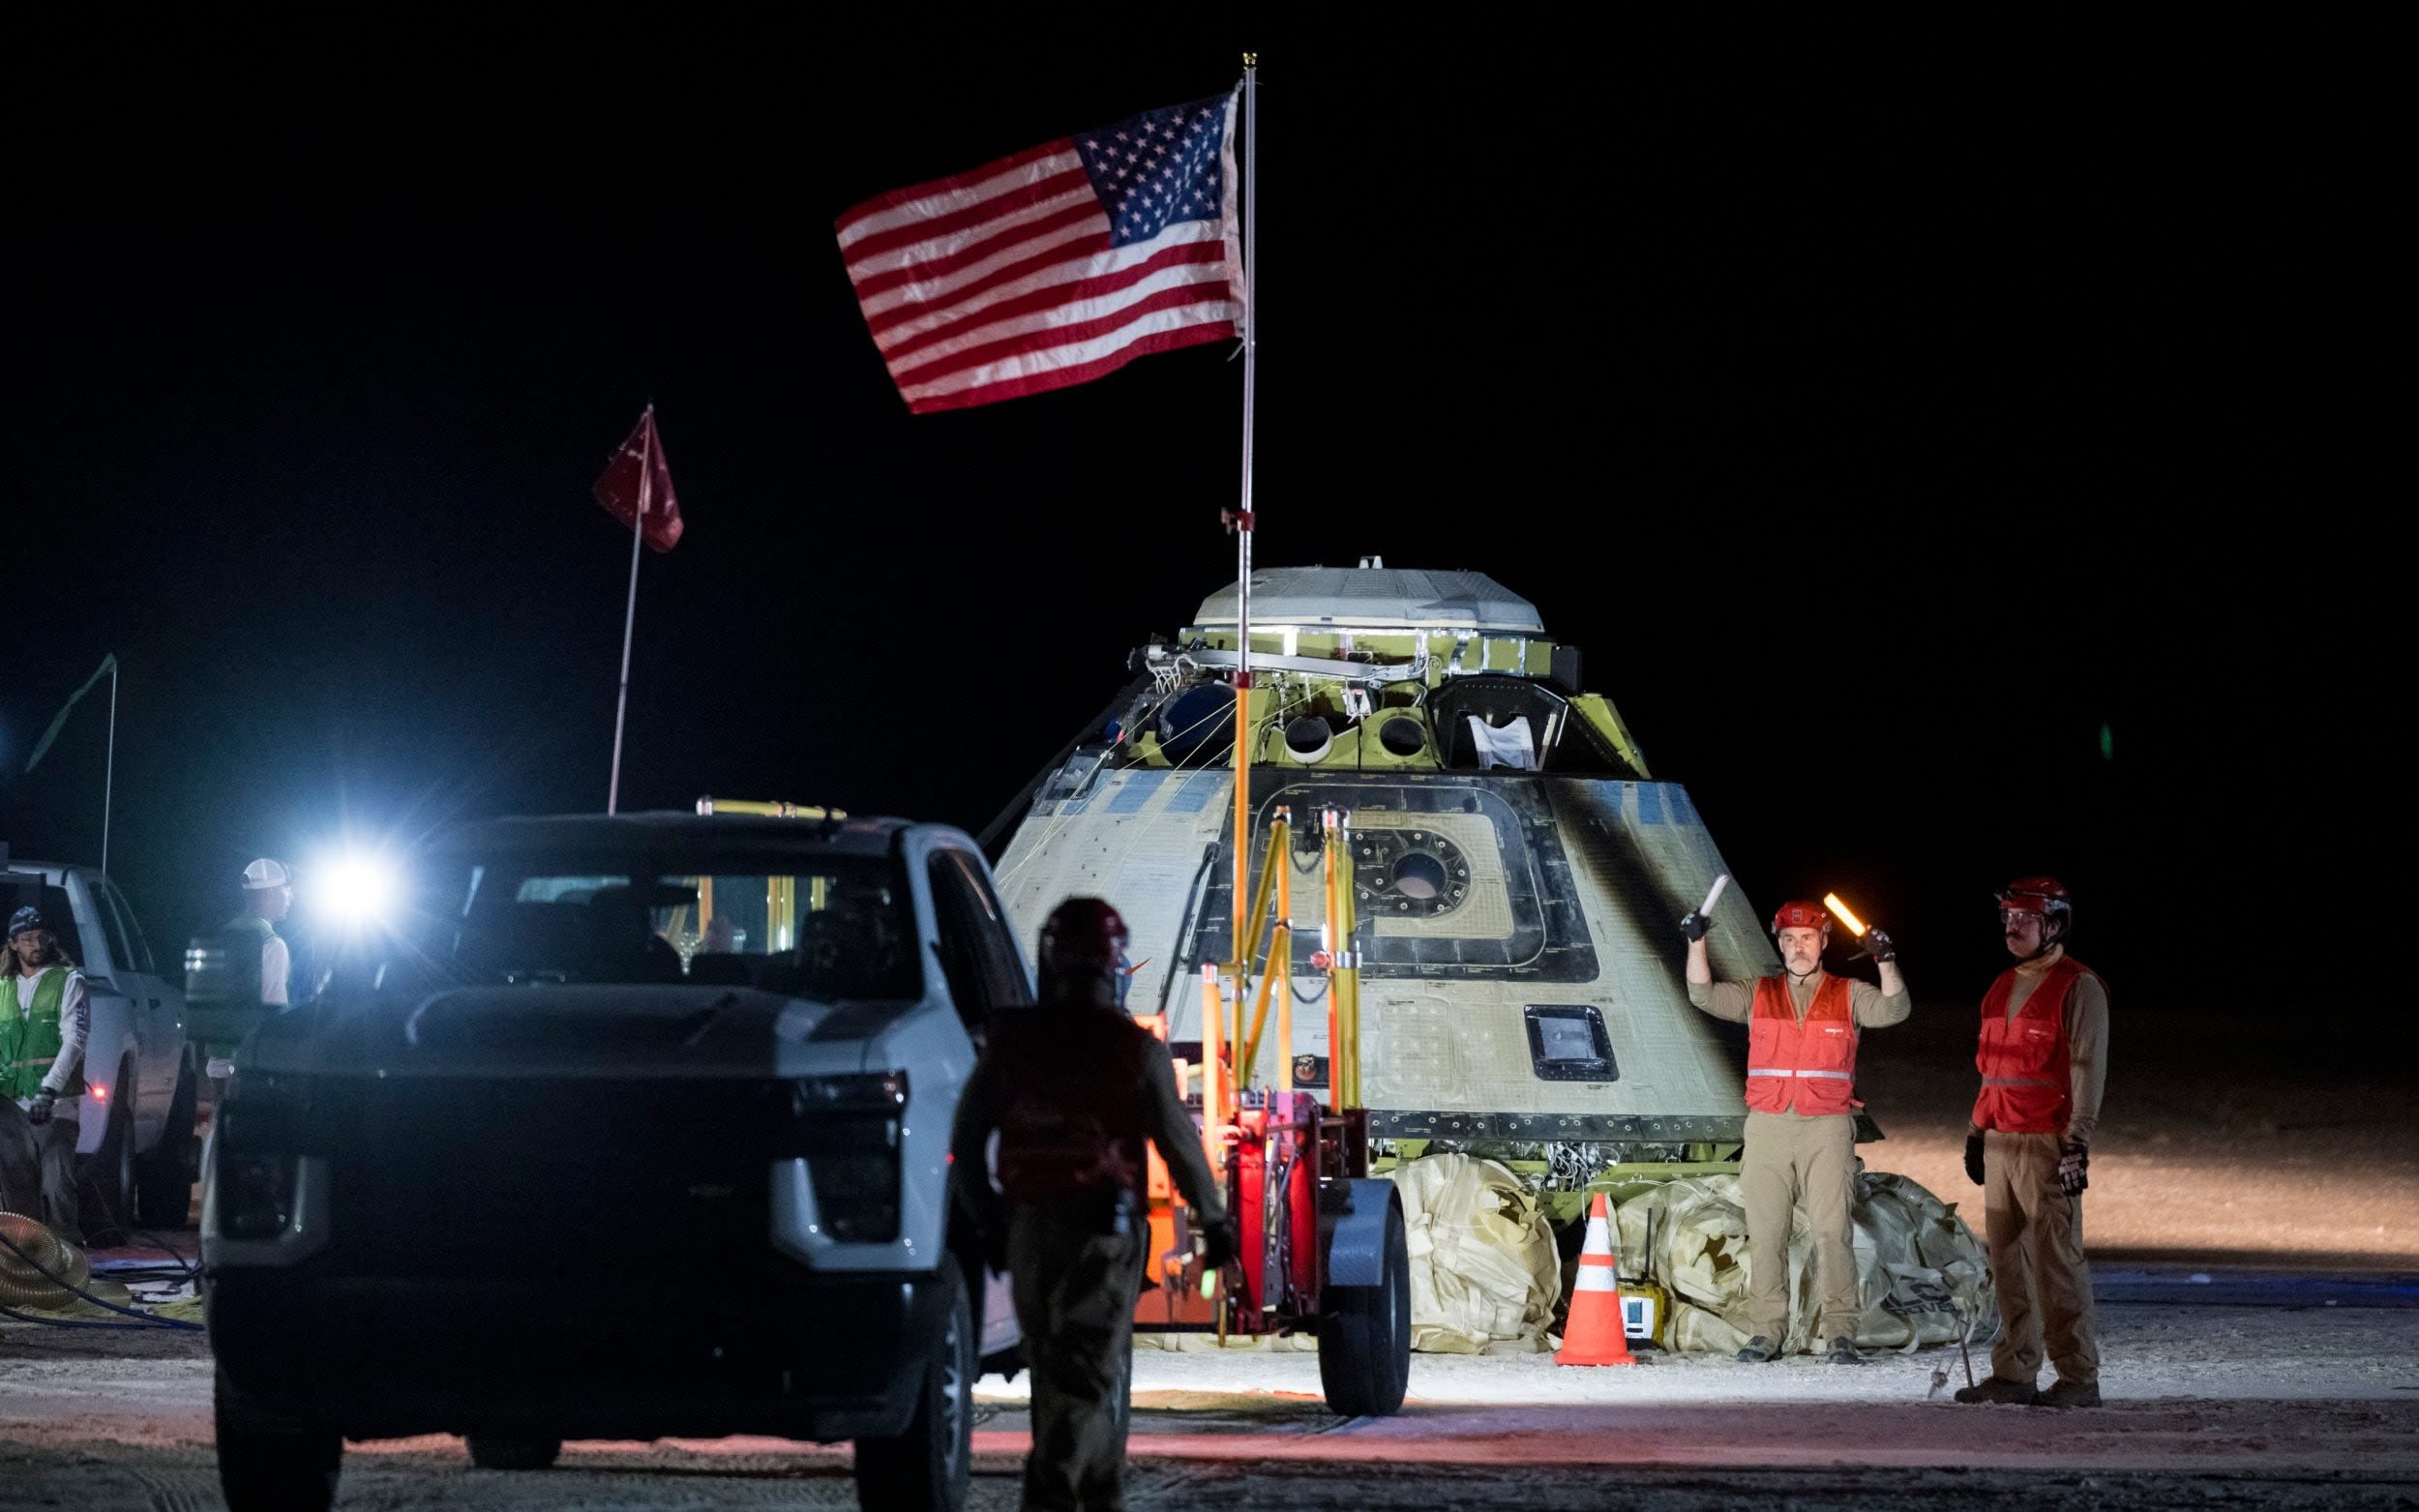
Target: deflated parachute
{"type": "Point", "coordinates": [1922, 1276]}
{"type": "Point", "coordinates": [1484, 1275]}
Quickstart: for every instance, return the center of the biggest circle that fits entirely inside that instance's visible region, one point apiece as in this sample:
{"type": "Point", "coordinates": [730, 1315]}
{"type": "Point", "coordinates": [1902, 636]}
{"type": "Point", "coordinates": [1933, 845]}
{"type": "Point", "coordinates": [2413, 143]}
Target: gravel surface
{"type": "Point", "coordinates": [2264, 1403]}
{"type": "Point", "coordinates": [2256, 1244]}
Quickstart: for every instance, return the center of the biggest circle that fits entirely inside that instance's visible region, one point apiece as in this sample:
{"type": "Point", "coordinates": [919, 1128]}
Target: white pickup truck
{"type": "Point", "coordinates": [636, 1126]}
{"type": "Point", "coordinates": [134, 1151]}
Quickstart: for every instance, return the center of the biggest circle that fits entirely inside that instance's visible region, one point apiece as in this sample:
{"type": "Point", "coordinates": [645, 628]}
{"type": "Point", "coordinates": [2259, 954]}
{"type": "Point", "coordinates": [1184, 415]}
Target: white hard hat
{"type": "Point", "coordinates": [265, 873]}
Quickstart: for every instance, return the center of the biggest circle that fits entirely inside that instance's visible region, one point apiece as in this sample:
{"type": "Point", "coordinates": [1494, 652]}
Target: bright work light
{"type": "Point", "coordinates": [359, 888]}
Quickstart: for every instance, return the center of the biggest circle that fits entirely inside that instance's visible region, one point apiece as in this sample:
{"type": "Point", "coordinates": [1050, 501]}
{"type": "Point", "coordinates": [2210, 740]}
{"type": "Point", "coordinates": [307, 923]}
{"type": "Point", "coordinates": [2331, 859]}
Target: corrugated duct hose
{"type": "Point", "coordinates": [39, 1269]}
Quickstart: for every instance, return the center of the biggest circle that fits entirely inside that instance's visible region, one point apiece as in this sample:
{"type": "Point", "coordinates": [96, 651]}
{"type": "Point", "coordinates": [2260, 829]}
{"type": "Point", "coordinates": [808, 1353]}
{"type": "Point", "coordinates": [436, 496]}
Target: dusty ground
{"type": "Point", "coordinates": [2287, 1151]}
{"type": "Point", "coordinates": [2248, 1390]}
{"type": "Point", "coordinates": [2257, 1244]}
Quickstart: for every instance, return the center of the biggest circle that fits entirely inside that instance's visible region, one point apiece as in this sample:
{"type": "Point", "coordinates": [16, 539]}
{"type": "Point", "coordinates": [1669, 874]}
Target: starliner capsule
{"type": "Point", "coordinates": [1516, 872]}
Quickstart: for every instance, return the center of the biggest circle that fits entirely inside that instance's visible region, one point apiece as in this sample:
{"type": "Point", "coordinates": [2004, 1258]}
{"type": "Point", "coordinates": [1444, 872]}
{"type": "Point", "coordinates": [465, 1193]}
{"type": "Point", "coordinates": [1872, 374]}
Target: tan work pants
{"type": "Point", "coordinates": [2036, 1236]}
{"type": "Point", "coordinates": [1788, 1162]}
{"type": "Point", "coordinates": [1075, 1289]}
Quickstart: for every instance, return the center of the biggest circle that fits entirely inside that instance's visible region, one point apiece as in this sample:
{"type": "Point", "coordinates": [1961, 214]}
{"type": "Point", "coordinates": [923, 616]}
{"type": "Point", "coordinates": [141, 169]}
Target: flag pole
{"type": "Point", "coordinates": [1243, 539]}
{"type": "Point", "coordinates": [109, 767]}
{"type": "Point", "coordinates": [630, 613]}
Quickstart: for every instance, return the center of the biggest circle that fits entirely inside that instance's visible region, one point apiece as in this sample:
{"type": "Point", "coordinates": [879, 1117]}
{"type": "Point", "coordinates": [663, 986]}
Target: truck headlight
{"type": "Point", "coordinates": [875, 1089]}
{"type": "Point", "coordinates": [255, 1194]}
{"type": "Point", "coordinates": [259, 1144]}
{"type": "Point", "coordinates": [849, 1127]}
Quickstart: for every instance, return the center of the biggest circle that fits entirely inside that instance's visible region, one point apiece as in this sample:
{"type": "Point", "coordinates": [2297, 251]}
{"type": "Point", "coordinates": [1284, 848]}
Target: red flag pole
{"type": "Point", "coordinates": [630, 614]}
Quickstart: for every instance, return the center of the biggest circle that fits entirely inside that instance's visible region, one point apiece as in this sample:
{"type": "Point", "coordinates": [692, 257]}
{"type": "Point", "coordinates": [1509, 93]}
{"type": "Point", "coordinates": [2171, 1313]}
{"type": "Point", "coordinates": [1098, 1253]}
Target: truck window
{"type": "Point", "coordinates": [121, 959]}
{"type": "Point", "coordinates": [977, 954]}
{"type": "Point", "coordinates": [139, 957]}
{"type": "Point", "coordinates": [808, 924]}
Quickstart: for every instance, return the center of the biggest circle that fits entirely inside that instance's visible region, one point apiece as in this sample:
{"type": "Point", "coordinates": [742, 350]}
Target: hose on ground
{"type": "Point", "coordinates": [15, 1287]}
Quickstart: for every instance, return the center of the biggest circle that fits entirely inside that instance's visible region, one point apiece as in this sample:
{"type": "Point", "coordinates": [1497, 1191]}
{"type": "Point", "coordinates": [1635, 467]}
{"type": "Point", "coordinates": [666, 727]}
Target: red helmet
{"type": "Point", "coordinates": [1082, 934]}
{"type": "Point", "coordinates": [1801, 916]}
{"type": "Point", "coordinates": [2041, 895]}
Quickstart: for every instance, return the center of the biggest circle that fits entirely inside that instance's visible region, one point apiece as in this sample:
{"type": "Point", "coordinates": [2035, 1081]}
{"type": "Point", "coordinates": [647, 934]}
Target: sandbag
{"type": "Point", "coordinates": [1922, 1276]}
{"type": "Point", "coordinates": [1484, 1273]}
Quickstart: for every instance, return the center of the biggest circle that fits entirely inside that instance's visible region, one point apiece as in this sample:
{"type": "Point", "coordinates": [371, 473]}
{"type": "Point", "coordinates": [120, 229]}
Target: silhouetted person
{"type": "Point", "coordinates": [1074, 1086]}
{"type": "Point", "coordinates": [268, 897]}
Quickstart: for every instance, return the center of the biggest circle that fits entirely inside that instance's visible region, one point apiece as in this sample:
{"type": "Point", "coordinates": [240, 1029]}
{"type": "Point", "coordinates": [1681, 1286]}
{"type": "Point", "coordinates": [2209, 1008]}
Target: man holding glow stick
{"type": "Point", "coordinates": [1803, 1028]}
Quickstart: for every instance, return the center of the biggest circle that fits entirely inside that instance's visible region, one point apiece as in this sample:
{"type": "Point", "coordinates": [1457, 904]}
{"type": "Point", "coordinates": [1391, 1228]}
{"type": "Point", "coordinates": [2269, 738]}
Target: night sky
{"type": "Point", "coordinates": [1902, 444]}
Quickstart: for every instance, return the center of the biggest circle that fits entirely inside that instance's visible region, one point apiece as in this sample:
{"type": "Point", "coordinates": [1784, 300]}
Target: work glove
{"type": "Point", "coordinates": [2073, 1167]}
{"type": "Point", "coordinates": [1694, 926]}
{"type": "Point", "coordinates": [38, 1111]}
{"type": "Point", "coordinates": [1880, 946]}
{"type": "Point", "coordinates": [1974, 1155]}
{"type": "Point", "coordinates": [1219, 1243]}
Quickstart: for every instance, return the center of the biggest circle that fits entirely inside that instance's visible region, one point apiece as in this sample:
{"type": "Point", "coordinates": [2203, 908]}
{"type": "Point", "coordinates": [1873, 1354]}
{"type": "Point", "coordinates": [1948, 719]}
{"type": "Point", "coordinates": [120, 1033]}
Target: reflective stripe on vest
{"type": "Point", "coordinates": [2027, 1082]}
{"type": "Point", "coordinates": [1808, 1066]}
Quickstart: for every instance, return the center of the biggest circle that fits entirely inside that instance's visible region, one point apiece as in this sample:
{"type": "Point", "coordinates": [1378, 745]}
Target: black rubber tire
{"type": "Point", "coordinates": [508, 1452]}
{"type": "Point", "coordinates": [104, 1180]}
{"type": "Point", "coordinates": [929, 1467]}
{"type": "Point", "coordinates": [1364, 1335]}
{"type": "Point", "coordinates": [164, 1179]}
{"type": "Point", "coordinates": [271, 1465]}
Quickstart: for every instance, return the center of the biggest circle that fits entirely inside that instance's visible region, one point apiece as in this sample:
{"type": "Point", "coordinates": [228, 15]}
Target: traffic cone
{"type": "Point", "coordinates": [1594, 1333]}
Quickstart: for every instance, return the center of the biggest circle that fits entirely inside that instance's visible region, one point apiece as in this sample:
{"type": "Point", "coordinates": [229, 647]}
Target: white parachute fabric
{"type": "Point", "coordinates": [1485, 1273]}
{"type": "Point", "coordinates": [1513, 746]}
{"type": "Point", "coordinates": [1922, 1276]}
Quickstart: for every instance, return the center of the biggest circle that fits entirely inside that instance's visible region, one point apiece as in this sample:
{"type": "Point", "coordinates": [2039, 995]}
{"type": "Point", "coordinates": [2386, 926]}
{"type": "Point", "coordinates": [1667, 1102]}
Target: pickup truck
{"type": "Point", "coordinates": [634, 1126]}
{"type": "Point", "coordinates": [135, 1141]}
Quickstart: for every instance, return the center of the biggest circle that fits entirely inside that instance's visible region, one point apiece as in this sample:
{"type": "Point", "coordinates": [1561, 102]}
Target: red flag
{"type": "Point", "coordinates": [1056, 265]}
{"type": "Point", "coordinates": [637, 480]}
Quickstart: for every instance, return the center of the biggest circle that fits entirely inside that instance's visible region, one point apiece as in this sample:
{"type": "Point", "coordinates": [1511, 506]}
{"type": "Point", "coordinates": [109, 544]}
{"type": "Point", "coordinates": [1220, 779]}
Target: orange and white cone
{"type": "Point", "coordinates": [1595, 1334]}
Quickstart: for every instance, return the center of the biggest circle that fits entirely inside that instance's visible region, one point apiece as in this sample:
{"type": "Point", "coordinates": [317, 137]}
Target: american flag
{"type": "Point", "coordinates": [1056, 265]}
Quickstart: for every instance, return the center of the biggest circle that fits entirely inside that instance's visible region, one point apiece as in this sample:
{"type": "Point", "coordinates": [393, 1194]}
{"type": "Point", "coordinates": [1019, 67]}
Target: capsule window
{"type": "Point", "coordinates": [1567, 1043]}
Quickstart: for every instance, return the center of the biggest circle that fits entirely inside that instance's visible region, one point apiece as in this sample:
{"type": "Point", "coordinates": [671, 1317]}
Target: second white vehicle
{"type": "Point", "coordinates": [135, 1143]}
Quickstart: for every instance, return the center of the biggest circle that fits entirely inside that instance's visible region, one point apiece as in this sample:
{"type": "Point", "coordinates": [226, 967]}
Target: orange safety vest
{"type": "Point", "coordinates": [1809, 1068]}
{"type": "Point", "coordinates": [2028, 1086]}
{"type": "Point", "coordinates": [1071, 1118]}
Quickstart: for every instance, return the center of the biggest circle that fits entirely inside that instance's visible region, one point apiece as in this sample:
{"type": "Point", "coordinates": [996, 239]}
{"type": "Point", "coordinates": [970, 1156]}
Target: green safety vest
{"type": "Point", "coordinates": [30, 1039]}
{"type": "Point", "coordinates": [244, 981]}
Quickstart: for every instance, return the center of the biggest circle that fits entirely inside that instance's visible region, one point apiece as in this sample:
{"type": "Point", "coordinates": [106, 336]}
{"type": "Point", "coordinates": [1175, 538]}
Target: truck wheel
{"type": "Point", "coordinates": [164, 1179]}
{"type": "Point", "coordinates": [272, 1464]}
{"type": "Point", "coordinates": [503, 1452]}
{"type": "Point", "coordinates": [104, 1180]}
{"type": "Point", "coordinates": [927, 1467]}
{"type": "Point", "coordinates": [1365, 1337]}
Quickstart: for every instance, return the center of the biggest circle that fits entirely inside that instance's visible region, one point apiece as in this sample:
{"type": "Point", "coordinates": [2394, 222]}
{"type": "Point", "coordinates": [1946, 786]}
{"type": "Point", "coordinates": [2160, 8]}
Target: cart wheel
{"type": "Point", "coordinates": [1365, 1337]}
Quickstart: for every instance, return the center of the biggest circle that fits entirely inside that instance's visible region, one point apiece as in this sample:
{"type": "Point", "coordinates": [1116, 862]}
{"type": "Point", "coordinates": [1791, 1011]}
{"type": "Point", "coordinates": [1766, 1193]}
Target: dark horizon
{"type": "Point", "coordinates": [1874, 440]}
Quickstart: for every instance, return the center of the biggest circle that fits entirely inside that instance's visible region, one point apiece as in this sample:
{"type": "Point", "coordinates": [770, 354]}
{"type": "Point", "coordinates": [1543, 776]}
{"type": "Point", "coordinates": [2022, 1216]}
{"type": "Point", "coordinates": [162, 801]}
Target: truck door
{"type": "Point", "coordinates": [159, 1016]}
{"type": "Point", "coordinates": [986, 974]}
{"type": "Point", "coordinates": [120, 1012]}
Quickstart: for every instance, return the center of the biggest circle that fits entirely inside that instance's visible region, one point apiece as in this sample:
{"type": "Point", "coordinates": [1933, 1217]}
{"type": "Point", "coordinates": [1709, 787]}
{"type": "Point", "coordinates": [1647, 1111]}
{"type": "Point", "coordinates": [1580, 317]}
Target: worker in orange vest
{"type": "Point", "coordinates": [1073, 1087]}
{"type": "Point", "coordinates": [2044, 1060]}
{"type": "Point", "coordinates": [1802, 1027]}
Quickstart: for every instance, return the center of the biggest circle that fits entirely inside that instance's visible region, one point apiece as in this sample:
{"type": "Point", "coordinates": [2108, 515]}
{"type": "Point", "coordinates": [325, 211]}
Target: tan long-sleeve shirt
{"type": "Point", "coordinates": [2086, 1038]}
{"type": "Point", "coordinates": [1870, 1006]}
{"type": "Point", "coordinates": [1734, 1002]}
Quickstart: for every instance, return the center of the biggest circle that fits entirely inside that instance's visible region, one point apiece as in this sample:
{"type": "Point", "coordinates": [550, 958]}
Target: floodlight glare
{"type": "Point", "coordinates": [360, 888]}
